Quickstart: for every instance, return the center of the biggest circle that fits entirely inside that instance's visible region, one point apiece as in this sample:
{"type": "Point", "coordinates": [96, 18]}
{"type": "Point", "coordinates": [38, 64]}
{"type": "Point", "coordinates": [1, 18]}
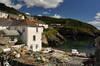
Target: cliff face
{"type": "Point", "coordinates": [51, 37]}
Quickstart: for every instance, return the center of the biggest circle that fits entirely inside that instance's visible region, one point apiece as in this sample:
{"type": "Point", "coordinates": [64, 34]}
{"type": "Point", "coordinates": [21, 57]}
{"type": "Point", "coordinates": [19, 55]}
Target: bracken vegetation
{"type": "Point", "coordinates": [71, 28]}
{"type": "Point", "coordinates": [4, 8]}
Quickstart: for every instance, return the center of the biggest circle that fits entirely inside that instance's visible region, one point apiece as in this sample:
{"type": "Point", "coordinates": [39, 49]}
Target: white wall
{"type": "Point", "coordinates": [28, 34]}
{"type": "Point", "coordinates": [3, 27]}
{"type": "Point", "coordinates": [31, 31]}
{"type": "Point", "coordinates": [3, 15]}
{"type": "Point", "coordinates": [44, 25]}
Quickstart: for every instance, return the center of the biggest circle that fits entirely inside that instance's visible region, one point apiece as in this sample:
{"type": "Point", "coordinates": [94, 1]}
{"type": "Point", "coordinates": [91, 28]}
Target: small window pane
{"type": "Point", "coordinates": [34, 37]}
{"type": "Point", "coordinates": [36, 46]}
{"type": "Point", "coordinates": [12, 38]}
{"type": "Point", "coordinates": [36, 29]}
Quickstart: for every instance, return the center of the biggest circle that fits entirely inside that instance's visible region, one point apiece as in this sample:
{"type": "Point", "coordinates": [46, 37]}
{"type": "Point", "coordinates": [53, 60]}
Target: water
{"type": "Point", "coordinates": [84, 49]}
{"type": "Point", "coordinates": [81, 46]}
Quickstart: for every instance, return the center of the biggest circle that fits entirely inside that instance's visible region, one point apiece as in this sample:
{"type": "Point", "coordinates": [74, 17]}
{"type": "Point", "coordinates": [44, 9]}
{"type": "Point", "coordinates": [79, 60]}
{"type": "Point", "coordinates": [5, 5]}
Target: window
{"type": "Point", "coordinates": [36, 46]}
{"type": "Point", "coordinates": [34, 37]}
{"type": "Point", "coordinates": [36, 29]}
{"type": "Point", "coordinates": [12, 38]}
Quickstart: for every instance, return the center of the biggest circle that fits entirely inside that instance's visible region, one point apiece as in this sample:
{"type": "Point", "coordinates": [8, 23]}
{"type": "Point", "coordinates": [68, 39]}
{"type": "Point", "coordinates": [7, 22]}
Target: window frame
{"type": "Point", "coordinates": [37, 29]}
{"type": "Point", "coordinates": [12, 38]}
{"type": "Point", "coordinates": [34, 37]}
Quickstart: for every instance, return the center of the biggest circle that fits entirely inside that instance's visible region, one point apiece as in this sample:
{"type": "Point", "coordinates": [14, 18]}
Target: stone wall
{"type": "Point", "coordinates": [5, 41]}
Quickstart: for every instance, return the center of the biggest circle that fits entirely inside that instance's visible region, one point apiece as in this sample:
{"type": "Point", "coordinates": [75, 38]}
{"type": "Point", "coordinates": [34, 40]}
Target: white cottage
{"type": "Point", "coordinates": [3, 15]}
{"type": "Point", "coordinates": [30, 34]}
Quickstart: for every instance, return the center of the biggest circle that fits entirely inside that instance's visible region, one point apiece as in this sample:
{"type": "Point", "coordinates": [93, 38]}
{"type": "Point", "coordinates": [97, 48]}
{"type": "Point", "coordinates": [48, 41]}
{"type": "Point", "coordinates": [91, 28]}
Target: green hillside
{"type": "Point", "coordinates": [71, 28]}
{"type": "Point", "coordinates": [4, 8]}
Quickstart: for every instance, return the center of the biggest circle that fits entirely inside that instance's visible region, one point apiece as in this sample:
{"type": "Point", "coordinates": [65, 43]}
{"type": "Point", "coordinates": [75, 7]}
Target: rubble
{"type": "Point", "coordinates": [23, 55]}
{"type": "Point", "coordinates": [53, 57]}
{"type": "Point", "coordinates": [6, 49]}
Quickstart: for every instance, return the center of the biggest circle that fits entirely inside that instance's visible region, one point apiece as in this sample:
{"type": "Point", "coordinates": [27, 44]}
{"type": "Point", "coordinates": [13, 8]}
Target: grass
{"type": "Point", "coordinates": [50, 32]}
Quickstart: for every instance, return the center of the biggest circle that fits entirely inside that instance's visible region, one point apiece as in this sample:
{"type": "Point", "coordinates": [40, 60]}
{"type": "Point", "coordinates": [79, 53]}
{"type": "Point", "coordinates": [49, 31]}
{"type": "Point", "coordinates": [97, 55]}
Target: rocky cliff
{"type": "Point", "coordinates": [52, 37]}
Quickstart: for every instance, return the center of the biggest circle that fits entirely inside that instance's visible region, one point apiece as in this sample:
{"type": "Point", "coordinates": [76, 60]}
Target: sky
{"type": "Point", "coordinates": [84, 10]}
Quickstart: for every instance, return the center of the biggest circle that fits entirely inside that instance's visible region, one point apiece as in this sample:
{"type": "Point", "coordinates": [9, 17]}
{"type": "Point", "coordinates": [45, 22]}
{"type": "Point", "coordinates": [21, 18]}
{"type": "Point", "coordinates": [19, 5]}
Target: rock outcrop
{"type": "Point", "coordinates": [97, 51]}
{"type": "Point", "coordinates": [53, 40]}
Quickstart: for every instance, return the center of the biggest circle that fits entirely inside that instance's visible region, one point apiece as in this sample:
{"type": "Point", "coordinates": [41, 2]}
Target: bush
{"type": "Point", "coordinates": [19, 42]}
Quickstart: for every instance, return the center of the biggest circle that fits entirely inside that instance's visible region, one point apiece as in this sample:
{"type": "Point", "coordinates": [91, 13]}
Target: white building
{"type": "Point", "coordinates": [3, 15]}
{"type": "Point", "coordinates": [11, 16]}
{"type": "Point", "coordinates": [30, 34]}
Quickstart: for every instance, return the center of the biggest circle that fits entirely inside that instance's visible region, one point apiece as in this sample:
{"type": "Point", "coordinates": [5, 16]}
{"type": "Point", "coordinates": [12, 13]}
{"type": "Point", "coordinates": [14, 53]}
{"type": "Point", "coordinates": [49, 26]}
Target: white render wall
{"type": "Point", "coordinates": [3, 27]}
{"type": "Point", "coordinates": [44, 25]}
{"type": "Point", "coordinates": [38, 42]}
{"type": "Point", "coordinates": [3, 15]}
{"type": "Point", "coordinates": [27, 36]}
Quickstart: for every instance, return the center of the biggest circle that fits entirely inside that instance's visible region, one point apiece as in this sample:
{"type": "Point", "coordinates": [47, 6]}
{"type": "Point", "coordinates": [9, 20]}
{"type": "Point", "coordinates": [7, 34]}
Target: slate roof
{"type": "Point", "coordinates": [13, 16]}
{"type": "Point", "coordinates": [10, 32]}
